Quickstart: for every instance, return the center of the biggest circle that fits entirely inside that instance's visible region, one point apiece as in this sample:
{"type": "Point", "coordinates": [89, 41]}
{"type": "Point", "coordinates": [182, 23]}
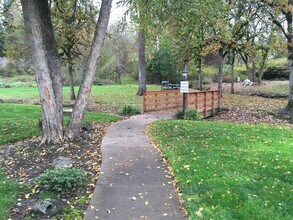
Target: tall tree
{"type": "Point", "coordinates": [48, 73]}
{"type": "Point", "coordinates": [89, 71]}
{"type": "Point", "coordinates": [141, 63]}
{"type": "Point", "coordinates": [281, 14]}
{"type": "Point", "coordinates": [47, 67]}
{"type": "Point", "coordinates": [141, 12]}
{"type": "Point", "coordinates": [73, 21]}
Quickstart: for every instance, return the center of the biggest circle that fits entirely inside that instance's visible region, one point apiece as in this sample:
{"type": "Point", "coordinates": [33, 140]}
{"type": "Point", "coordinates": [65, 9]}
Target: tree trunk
{"type": "Point", "coordinates": [47, 67]}
{"type": "Point", "coordinates": [141, 73]}
{"type": "Point", "coordinates": [263, 63]}
{"type": "Point", "coordinates": [253, 72]}
{"type": "Point", "coordinates": [290, 61]}
{"type": "Point", "coordinates": [221, 66]}
{"type": "Point", "coordinates": [289, 18]}
{"type": "Point", "coordinates": [71, 79]}
{"type": "Point", "coordinates": [233, 74]}
{"type": "Point", "coordinates": [89, 71]}
{"type": "Point", "coordinates": [200, 73]}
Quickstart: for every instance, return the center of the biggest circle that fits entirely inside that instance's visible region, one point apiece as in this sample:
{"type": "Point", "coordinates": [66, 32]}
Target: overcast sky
{"type": "Point", "coordinates": [116, 12]}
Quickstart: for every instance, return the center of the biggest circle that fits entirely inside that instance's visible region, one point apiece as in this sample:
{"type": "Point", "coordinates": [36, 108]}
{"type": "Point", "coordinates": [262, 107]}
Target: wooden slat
{"type": "Point", "coordinates": [203, 101]}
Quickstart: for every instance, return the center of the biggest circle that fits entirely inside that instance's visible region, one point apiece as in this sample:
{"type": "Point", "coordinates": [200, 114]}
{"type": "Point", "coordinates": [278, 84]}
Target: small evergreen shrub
{"type": "Point", "coordinates": [190, 114]}
{"type": "Point", "coordinates": [63, 179]}
{"type": "Point", "coordinates": [129, 110]}
{"type": "Point", "coordinates": [179, 114]}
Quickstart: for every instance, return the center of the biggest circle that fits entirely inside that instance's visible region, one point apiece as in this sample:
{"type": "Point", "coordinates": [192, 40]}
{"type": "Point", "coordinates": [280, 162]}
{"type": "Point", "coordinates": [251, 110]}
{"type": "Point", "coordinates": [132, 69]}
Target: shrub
{"type": "Point", "coordinates": [190, 114]}
{"type": "Point", "coordinates": [276, 72]}
{"type": "Point", "coordinates": [129, 110]}
{"type": "Point", "coordinates": [162, 67]}
{"type": "Point", "coordinates": [63, 179]}
{"type": "Point", "coordinates": [179, 114]}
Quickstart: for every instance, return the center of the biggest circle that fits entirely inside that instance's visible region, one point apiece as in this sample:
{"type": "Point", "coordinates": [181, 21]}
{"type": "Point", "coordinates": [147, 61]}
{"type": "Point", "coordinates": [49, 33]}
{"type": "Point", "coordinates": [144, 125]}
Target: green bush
{"type": "Point", "coordinates": [179, 114]}
{"type": "Point", "coordinates": [162, 67]}
{"type": "Point", "coordinates": [190, 114]}
{"type": "Point", "coordinates": [63, 179]}
{"type": "Point", "coordinates": [129, 110]}
{"type": "Point", "coordinates": [276, 72]}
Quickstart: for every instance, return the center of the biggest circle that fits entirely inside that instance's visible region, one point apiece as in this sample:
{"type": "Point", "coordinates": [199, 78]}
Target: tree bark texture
{"type": "Point", "coordinates": [290, 62]}
{"type": "Point", "coordinates": [221, 66]}
{"type": "Point", "coordinates": [141, 57]}
{"type": "Point", "coordinates": [89, 71]}
{"type": "Point", "coordinates": [200, 73]}
{"type": "Point", "coordinates": [233, 74]}
{"type": "Point", "coordinates": [71, 79]}
{"type": "Point", "coordinates": [47, 67]}
{"type": "Point", "coordinates": [289, 18]}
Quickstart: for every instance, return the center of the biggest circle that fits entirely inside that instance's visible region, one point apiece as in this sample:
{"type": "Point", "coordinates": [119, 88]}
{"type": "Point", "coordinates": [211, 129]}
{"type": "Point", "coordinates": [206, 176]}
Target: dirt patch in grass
{"type": "Point", "coordinates": [253, 116]}
{"type": "Point", "coordinates": [26, 160]}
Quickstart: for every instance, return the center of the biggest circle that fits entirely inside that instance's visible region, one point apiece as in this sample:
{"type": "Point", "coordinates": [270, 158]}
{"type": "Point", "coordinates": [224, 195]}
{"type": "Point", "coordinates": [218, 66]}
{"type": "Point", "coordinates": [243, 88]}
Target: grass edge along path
{"type": "Point", "coordinates": [229, 171]}
{"type": "Point", "coordinates": [19, 122]}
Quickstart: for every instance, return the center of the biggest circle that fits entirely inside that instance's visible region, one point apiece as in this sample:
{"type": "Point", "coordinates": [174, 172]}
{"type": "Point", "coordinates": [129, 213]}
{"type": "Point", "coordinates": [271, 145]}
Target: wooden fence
{"type": "Point", "coordinates": [205, 102]}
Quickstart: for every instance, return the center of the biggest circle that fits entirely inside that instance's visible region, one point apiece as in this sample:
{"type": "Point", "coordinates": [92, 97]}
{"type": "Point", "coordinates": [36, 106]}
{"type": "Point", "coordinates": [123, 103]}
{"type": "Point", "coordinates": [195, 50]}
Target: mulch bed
{"type": "Point", "coordinates": [26, 160]}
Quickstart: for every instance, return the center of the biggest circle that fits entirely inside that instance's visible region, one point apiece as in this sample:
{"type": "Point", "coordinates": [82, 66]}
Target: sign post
{"type": "Point", "coordinates": [184, 85]}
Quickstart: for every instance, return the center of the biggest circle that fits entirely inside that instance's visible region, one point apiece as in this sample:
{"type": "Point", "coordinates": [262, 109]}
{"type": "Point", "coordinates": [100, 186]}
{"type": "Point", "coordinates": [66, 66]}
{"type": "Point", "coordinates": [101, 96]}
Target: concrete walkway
{"type": "Point", "coordinates": [134, 183]}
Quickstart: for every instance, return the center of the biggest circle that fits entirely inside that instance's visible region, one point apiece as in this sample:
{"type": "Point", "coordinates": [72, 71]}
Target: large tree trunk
{"type": "Point", "coordinates": [141, 57]}
{"type": "Point", "coordinates": [221, 66]}
{"type": "Point", "coordinates": [89, 71]}
{"type": "Point", "coordinates": [233, 73]}
{"type": "Point", "coordinates": [289, 17]}
{"type": "Point", "coordinates": [71, 79]}
{"type": "Point", "coordinates": [47, 67]}
{"type": "Point", "coordinates": [253, 72]}
{"type": "Point", "coordinates": [290, 61]}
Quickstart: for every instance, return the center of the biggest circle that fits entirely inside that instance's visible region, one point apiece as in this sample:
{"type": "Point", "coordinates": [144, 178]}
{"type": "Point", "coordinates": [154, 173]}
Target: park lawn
{"type": "Point", "coordinates": [17, 123]}
{"type": "Point", "coordinates": [22, 121]}
{"type": "Point", "coordinates": [8, 194]}
{"type": "Point", "coordinates": [111, 94]}
{"type": "Point", "coordinates": [229, 171]}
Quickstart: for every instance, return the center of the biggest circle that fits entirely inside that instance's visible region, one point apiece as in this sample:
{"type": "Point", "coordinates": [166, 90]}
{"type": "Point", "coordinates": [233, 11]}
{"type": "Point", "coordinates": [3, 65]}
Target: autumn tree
{"type": "Point", "coordinates": [142, 13]}
{"type": "Point", "coordinates": [48, 73]}
{"type": "Point", "coordinates": [281, 14]}
{"type": "Point", "coordinates": [73, 22]}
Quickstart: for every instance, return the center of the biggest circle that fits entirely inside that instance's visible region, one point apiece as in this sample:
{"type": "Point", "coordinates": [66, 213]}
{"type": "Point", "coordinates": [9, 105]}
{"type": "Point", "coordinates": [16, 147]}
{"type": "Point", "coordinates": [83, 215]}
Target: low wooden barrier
{"type": "Point", "coordinates": [206, 103]}
{"type": "Point", "coordinates": [161, 100]}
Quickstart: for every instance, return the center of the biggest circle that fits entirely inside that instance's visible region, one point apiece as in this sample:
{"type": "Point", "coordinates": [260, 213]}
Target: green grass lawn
{"type": "Point", "coordinates": [17, 123]}
{"type": "Point", "coordinates": [229, 171]}
{"type": "Point", "coordinates": [114, 95]}
{"type": "Point", "coordinates": [8, 194]}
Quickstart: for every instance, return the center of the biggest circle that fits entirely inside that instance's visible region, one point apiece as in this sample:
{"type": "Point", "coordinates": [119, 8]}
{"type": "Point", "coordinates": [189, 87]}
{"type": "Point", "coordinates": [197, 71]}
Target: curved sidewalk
{"type": "Point", "coordinates": [134, 183]}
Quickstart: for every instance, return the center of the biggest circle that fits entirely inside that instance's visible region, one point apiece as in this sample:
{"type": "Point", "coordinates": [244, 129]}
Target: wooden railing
{"type": "Point", "coordinates": [205, 102]}
{"type": "Point", "coordinates": [161, 100]}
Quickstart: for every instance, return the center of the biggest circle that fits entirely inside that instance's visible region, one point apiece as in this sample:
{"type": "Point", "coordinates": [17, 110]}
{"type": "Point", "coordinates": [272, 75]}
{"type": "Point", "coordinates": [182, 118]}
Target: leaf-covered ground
{"type": "Point", "coordinates": [26, 160]}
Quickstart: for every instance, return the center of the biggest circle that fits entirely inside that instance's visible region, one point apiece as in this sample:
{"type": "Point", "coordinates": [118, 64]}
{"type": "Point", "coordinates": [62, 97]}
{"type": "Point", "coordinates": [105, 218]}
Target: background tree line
{"type": "Point", "coordinates": [170, 34]}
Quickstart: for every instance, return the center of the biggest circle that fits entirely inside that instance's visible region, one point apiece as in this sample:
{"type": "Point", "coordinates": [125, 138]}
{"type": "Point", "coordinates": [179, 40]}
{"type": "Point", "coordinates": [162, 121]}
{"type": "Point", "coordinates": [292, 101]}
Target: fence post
{"type": "Point", "coordinates": [196, 101]}
{"type": "Point", "coordinates": [213, 102]}
{"type": "Point", "coordinates": [205, 104]}
{"type": "Point", "coordinates": [167, 99]}
{"type": "Point", "coordinates": [219, 99]}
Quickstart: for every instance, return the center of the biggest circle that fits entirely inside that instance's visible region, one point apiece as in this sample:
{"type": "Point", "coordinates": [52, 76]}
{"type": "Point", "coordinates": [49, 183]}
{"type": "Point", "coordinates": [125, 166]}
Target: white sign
{"type": "Point", "coordinates": [184, 85]}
